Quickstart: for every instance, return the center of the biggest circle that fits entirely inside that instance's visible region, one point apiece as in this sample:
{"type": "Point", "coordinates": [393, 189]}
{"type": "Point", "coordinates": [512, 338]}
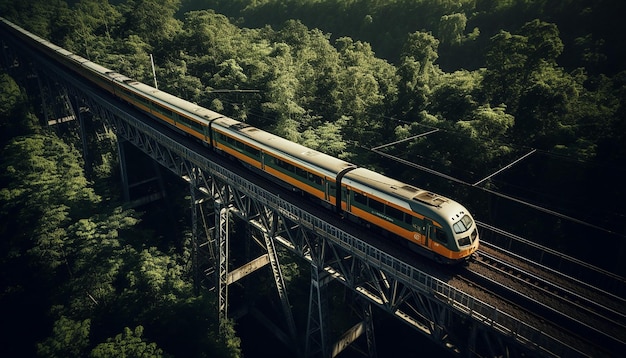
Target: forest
{"type": "Point", "coordinates": [82, 275]}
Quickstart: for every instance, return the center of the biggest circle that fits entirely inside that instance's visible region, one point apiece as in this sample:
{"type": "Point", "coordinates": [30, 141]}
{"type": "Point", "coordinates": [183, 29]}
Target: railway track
{"type": "Point", "coordinates": [587, 318]}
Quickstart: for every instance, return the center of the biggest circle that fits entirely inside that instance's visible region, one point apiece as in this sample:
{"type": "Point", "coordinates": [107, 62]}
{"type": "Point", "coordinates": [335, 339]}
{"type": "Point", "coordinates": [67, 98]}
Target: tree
{"type": "Point", "coordinates": [368, 89]}
{"type": "Point", "coordinates": [282, 88]}
{"type": "Point", "coordinates": [326, 138]}
{"type": "Point", "coordinates": [505, 64]}
{"type": "Point", "coordinates": [230, 76]}
{"type": "Point", "coordinates": [10, 95]}
{"type": "Point", "coordinates": [418, 73]}
{"type": "Point", "coordinates": [486, 126]}
{"type": "Point", "coordinates": [174, 78]}
{"type": "Point", "coordinates": [481, 143]}
{"type": "Point", "coordinates": [413, 92]}
{"type": "Point", "coordinates": [69, 339]}
{"type": "Point", "coordinates": [43, 18]}
{"type": "Point", "coordinates": [41, 188]}
{"type": "Point", "coordinates": [14, 117]}
{"type": "Point", "coordinates": [97, 239]}
{"type": "Point", "coordinates": [512, 60]}
{"type": "Point", "coordinates": [544, 105]}
{"type": "Point", "coordinates": [451, 28]}
{"type": "Point", "coordinates": [44, 186]}
{"type": "Point", "coordinates": [422, 47]}
{"type": "Point", "coordinates": [131, 57]}
{"type": "Point", "coordinates": [454, 97]}
{"type": "Point", "coordinates": [128, 344]}
{"type": "Point", "coordinates": [317, 69]}
{"type": "Point", "coordinates": [94, 23]}
{"type": "Point", "coordinates": [208, 36]}
{"type": "Point", "coordinates": [543, 44]}
{"type": "Point", "coordinates": [152, 20]}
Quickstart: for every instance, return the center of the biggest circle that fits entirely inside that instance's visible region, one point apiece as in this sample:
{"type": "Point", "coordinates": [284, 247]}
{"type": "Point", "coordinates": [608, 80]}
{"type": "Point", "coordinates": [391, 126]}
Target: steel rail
{"type": "Point", "coordinates": [618, 281]}
{"type": "Point", "coordinates": [605, 310]}
{"type": "Point", "coordinates": [554, 315]}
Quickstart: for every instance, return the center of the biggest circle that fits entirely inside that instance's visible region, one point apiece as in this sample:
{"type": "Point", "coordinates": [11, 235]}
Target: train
{"type": "Point", "coordinates": [430, 224]}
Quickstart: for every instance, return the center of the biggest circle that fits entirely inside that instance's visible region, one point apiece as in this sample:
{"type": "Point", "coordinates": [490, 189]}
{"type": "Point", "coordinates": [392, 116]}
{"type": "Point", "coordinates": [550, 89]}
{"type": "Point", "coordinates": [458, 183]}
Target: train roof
{"type": "Point", "coordinates": [276, 143]}
{"type": "Point", "coordinates": [179, 104]}
{"type": "Point", "coordinates": [419, 200]}
{"type": "Point", "coordinates": [262, 138]}
{"type": "Point", "coordinates": [98, 68]}
{"type": "Point", "coordinates": [380, 182]}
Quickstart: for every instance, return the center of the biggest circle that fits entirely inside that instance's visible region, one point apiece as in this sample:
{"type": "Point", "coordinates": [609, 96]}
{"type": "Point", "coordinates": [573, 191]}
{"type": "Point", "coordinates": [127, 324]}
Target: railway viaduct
{"type": "Point", "coordinates": [377, 280]}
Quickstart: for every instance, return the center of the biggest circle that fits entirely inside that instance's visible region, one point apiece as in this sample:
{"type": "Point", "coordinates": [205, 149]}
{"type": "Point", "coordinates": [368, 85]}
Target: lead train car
{"type": "Point", "coordinates": [431, 224]}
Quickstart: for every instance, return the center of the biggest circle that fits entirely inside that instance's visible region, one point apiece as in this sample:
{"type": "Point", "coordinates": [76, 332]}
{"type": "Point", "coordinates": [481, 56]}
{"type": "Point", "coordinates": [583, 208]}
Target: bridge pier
{"type": "Point", "coordinates": [368, 322]}
{"type": "Point", "coordinates": [279, 280]}
{"type": "Point", "coordinates": [203, 235]}
{"type": "Point", "coordinates": [316, 332]}
{"type": "Point", "coordinates": [222, 260]}
{"type": "Point", "coordinates": [76, 112]}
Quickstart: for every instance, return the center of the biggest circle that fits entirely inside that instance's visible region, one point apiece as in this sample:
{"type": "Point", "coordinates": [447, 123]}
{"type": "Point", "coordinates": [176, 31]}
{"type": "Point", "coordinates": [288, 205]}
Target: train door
{"type": "Point", "coordinates": [207, 137]}
{"type": "Point", "coordinates": [429, 229]}
{"type": "Point", "coordinates": [326, 189]}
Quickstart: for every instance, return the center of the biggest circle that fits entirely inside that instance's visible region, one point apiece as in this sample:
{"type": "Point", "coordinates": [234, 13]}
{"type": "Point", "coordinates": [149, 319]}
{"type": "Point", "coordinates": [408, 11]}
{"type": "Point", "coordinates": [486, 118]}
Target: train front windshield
{"type": "Point", "coordinates": [463, 226]}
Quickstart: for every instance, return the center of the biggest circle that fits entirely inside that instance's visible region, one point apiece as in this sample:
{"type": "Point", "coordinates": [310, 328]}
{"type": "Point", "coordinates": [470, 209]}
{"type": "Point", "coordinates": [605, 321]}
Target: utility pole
{"type": "Point", "coordinates": [153, 72]}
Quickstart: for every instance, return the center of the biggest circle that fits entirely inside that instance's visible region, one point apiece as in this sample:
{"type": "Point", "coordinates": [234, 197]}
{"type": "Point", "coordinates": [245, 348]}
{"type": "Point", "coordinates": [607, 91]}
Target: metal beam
{"type": "Point", "coordinates": [347, 338]}
{"type": "Point", "coordinates": [243, 271]}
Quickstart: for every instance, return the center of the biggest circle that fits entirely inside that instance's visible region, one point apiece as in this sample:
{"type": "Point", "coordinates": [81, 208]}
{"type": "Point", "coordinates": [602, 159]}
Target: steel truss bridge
{"type": "Point", "coordinates": [460, 323]}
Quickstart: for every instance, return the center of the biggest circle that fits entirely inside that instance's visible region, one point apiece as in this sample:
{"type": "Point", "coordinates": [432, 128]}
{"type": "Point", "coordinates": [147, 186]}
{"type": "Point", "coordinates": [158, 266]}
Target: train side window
{"type": "Point", "coordinates": [408, 219]}
{"type": "Point", "coordinates": [377, 205]}
{"type": "Point", "coordinates": [255, 152]}
{"type": "Point", "coordinates": [140, 99]}
{"type": "Point", "coordinates": [197, 126]}
{"type": "Point", "coordinates": [301, 173]}
{"type": "Point", "coordinates": [440, 235]}
{"type": "Point", "coordinates": [394, 213]}
{"type": "Point", "coordinates": [284, 165]}
{"type": "Point", "coordinates": [316, 179]}
{"type": "Point", "coordinates": [164, 111]}
{"type": "Point", "coordinates": [184, 120]}
{"type": "Point", "coordinates": [359, 198]}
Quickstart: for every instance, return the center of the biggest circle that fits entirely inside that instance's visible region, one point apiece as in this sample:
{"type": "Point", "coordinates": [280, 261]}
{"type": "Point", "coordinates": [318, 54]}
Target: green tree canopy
{"type": "Point", "coordinates": [451, 28]}
{"type": "Point", "coordinates": [151, 20]}
{"type": "Point", "coordinates": [69, 339]}
{"type": "Point", "coordinates": [128, 344]}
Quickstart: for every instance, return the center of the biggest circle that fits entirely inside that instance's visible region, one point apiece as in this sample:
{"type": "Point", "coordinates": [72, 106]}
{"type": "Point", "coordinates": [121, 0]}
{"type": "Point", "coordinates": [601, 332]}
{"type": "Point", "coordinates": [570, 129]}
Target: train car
{"type": "Point", "coordinates": [294, 166]}
{"type": "Point", "coordinates": [431, 224]}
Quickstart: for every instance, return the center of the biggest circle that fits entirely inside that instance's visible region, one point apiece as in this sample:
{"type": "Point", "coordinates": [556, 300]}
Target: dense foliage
{"type": "Point", "coordinates": [80, 275]}
{"type": "Point", "coordinates": [524, 89]}
{"type": "Point", "coordinates": [495, 78]}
